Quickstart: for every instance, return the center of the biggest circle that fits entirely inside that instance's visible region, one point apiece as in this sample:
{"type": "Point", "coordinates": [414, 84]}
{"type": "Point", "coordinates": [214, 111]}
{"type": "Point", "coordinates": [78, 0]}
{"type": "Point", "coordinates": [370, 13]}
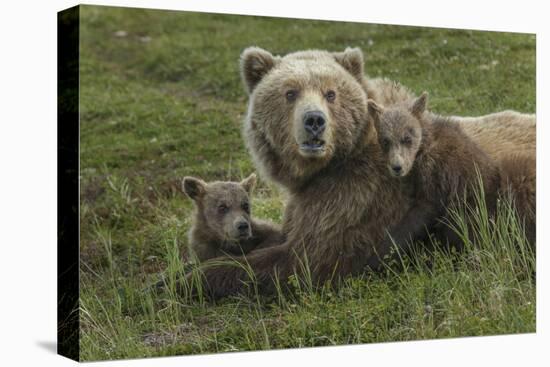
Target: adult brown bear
{"type": "Point", "coordinates": [308, 129]}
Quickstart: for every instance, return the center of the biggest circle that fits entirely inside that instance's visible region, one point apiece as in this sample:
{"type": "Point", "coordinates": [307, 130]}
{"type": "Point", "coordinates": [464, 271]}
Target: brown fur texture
{"type": "Point", "coordinates": [273, 130]}
{"type": "Point", "coordinates": [518, 182]}
{"type": "Point", "coordinates": [502, 133]}
{"type": "Point", "coordinates": [223, 222]}
{"type": "Point", "coordinates": [438, 161]}
{"type": "Point", "coordinates": [342, 197]}
{"type": "Point", "coordinates": [514, 132]}
{"type": "Point", "coordinates": [509, 138]}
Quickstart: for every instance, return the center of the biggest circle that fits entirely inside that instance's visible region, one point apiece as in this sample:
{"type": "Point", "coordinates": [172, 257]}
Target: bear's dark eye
{"type": "Point", "coordinates": [330, 96]}
{"type": "Point", "coordinates": [406, 140]}
{"type": "Point", "coordinates": [246, 207]}
{"type": "Point", "coordinates": [291, 95]}
{"type": "Point", "coordinates": [223, 209]}
{"type": "Point", "coordinates": [386, 143]}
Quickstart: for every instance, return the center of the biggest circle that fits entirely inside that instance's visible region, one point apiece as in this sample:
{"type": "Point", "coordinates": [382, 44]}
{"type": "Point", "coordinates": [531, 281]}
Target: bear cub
{"type": "Point", "coordinates": [223, 223]}
{"type": "Point", "coordinates": [437, 162]}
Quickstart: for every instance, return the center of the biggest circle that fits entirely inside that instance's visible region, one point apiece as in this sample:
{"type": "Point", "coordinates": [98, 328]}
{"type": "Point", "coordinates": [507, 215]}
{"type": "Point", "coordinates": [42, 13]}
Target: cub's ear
{"type": "Point", "coordinates": [195, 188]}
{"type": "Point", "coordinates": [255, 64]}
{"type": "Point", "coordinates": [249, 183]}
{"type": "Point", "coordinates": [352, 60]}
{"type": "Point", "coordinates": [419, 105]}
{"type": "Point", "coordinates": [375, 110]}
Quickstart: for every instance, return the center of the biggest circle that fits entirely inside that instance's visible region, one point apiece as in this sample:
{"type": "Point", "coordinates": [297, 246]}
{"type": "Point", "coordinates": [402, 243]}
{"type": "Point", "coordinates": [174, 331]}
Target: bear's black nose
{"type": "Point", "coordinates": [242, 227]}
{"type": "Point", "coordinates": [397, 169]}
{"type": "Point", "coordinates": [314, 122]}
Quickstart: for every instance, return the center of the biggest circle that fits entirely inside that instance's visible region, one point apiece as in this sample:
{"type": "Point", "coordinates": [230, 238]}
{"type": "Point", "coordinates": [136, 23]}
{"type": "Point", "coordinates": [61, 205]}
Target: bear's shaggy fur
{"type": "Point", "coordinates": [447, 164]}
{"type": "Point", "coordinates": [438, 161]}
{"type": "Point", "coordinates": [308, 129]}
{"type": "Point", "coordinates": [518, 173]}
{"type": "Point", "coordinates": [509, 138]}
{"type": "Point", "coordinates": [223, 222]}
{"type": "Point", "coordinates": [341, 196]}
{"type": "Point", "coordinates": [502, 133]}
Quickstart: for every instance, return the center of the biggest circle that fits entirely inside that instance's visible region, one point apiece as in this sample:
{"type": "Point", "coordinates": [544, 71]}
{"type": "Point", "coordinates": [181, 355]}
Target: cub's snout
{"type": "Point", "coordinates": [242, 229]}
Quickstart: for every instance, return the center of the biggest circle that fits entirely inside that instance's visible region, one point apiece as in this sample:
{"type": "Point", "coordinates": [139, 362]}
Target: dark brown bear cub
{"type": "Point", "coordinates": [223, 222]}
{"type": "Point", "coordinates": [438, 164]}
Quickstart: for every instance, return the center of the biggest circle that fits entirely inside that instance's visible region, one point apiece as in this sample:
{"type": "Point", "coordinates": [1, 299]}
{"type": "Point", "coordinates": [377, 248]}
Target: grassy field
{"type": "Point", "coordinates": [161, 98]}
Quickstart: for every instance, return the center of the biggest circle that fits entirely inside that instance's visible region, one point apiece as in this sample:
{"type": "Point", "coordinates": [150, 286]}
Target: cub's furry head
{"type": "Point", "coordinates": [224, 207]}
{"type": "Point", "coordinates": [399, 129]}
{"type": "Point", "coordinates": [305, 108]}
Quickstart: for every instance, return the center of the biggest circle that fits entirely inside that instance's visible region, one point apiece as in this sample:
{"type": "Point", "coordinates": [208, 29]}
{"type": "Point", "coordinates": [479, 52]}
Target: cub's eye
{"type": "Point", "coordinates": [223, 209]}
{"type": "Point", "coordinates": [385, 143]}
{"type": "Point", "coordinates": [291, 95]}
{"type": "Point", "coordinates": [406, 140]}
{"type": "Point", "coordinates": [246, 207]}
{"type": "Point", "coordinates": [330, 96]}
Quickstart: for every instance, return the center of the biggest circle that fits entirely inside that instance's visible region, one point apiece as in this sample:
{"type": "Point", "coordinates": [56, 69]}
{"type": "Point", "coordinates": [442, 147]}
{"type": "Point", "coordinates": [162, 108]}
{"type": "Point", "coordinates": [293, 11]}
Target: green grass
{"type": "Point", "coordinates": [164, 100]}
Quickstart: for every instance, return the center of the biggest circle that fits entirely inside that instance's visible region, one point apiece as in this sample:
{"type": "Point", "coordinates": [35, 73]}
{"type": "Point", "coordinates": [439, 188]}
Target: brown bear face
{"type": "Point", "coordinates": [307, 107]}
{"type": "Point", "coordinates": [223, 206]}
{"type": "Point", "coordinates": [399, 133]}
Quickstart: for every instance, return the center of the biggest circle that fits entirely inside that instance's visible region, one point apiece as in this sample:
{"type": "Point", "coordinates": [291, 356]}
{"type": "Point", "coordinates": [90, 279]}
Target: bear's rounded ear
{"type": "Point", "coordinates": [255, 63]}
{"type": "Point", "coordinates": [249, 183]}
{"type": "Point", "coordinates": [375, 110]}
{"type": "Point", "coordinates": [419, 105]}
{"type": "Point", "coordinates": [352, 60]}
{"type": "Point", "coordinates": [194, 188]}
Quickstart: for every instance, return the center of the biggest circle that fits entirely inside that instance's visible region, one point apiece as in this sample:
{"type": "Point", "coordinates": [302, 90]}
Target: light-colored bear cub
{"type": "Point", "coordinates": [223, 223]}
{"type": "Point", "coordinates": [439, 163]}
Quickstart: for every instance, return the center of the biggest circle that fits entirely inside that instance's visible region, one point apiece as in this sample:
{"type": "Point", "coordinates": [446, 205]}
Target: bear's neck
{"type": "Point", "coordinates": [432, 127]}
